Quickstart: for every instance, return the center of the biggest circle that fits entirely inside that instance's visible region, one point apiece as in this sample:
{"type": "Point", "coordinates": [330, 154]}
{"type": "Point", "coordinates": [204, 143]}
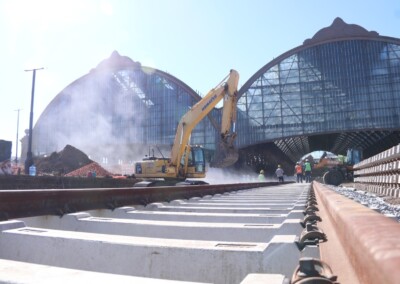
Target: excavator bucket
{"type": "Point", "coordinates": [225, 156]}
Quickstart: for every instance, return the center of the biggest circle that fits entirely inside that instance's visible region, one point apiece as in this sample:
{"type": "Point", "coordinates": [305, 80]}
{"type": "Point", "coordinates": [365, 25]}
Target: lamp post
{"type": "Point", "coordinates": [29, 158]}
{"type": "Point", "coordinates": [16, 144]}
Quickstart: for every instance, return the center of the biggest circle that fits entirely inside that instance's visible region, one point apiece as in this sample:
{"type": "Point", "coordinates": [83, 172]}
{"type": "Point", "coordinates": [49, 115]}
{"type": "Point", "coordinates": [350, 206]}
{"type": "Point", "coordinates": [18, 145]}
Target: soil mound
{"type": "Point", "coordinates": [65, 161]}
{"type": "Point", "coordinates": [88, 170]}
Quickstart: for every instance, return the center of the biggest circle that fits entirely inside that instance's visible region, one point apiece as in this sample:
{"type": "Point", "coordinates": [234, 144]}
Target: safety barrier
{"type": "Point", "coordinates": [380, 173]}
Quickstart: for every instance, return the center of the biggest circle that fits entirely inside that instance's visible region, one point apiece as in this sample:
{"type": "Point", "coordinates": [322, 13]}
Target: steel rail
{"type": "Point", "coordinates": [370, 240]}
{"type": "Point", "coordinates": [39, 202]}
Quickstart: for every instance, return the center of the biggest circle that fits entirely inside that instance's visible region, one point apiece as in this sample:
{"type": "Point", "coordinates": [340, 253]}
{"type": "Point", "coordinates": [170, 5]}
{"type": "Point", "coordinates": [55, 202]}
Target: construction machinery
{"type": "Point", "coordinates": [188, 161]}
{"type": "Point", "coordinates": [336, 171]}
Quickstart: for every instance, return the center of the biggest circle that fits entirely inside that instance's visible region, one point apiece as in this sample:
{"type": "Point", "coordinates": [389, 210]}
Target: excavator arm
{"type": "Point", "coordinates": [187, 161]}
{"type": "Point", "coordinates": [226, 90]}
{"type": "Point", "coordinates": [225, 154]}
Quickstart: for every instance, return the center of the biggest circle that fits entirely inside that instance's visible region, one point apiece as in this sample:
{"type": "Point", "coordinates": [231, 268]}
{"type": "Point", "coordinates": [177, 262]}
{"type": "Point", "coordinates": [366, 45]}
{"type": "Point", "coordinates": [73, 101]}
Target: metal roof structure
{"type": "Point", "coordinates": [117, 111]}
{"type": "Point", "coordinates": [339, 90]}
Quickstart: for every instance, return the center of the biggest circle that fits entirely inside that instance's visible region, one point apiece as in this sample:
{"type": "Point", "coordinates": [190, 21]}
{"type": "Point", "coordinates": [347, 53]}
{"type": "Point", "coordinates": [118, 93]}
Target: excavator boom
{"type": "Point", "coordinates": [187, 161]}
{"type": "Point", "coordinates": [226, 154]}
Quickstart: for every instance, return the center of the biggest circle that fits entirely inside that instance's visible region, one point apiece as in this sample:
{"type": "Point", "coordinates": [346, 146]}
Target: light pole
{"type": "Point", "coordinates": [16, 144]}
{"type": "Point", "coordinates": [29, 158]}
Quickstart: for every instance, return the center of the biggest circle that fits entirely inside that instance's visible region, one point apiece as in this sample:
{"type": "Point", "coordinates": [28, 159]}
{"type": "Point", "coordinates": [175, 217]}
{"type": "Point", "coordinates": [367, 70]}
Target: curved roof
{"type": "Point", "coordinates": [118, 104]}
{"type": "Point", "coordinates": [338, 31]}
{"type": "Point", "coordinates": [117, 62]}
{"type": "Point", "coordinates": [339, 89]}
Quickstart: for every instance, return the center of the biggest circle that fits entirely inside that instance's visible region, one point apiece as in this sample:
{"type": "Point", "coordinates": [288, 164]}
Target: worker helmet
{"type": "Point", "coordinates": [262, 171]}
{"type": "Point", "coordinates": [306, 160]}
{"type": "Point", "coordinates": [279, 166]}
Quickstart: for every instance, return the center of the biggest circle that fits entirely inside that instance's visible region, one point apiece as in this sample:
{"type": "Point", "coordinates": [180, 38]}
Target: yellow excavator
{"type": "Point", "coordinates": [188, 161]}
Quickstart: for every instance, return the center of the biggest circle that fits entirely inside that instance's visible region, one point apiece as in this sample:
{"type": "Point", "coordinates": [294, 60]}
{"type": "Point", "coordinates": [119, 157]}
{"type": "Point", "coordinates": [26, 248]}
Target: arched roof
{"type": "Point", "coordinates": [117, 105]}
{"type": "Point", "coordinates": [338, 31]}
{"type": "Point", "coordinates": [295, 100]}
{"type": "Point", "coordinates": [117, 62]}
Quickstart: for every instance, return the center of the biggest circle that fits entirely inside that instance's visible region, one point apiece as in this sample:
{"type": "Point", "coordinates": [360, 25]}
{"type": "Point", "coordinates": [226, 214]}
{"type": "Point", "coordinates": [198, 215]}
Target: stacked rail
{"type": "Point", "coordinates": [380, 173]}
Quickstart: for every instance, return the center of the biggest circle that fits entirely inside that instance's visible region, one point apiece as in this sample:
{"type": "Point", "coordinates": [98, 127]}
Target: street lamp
{"type": "Point", "coordinates": [29, 158]}
{"type": "Point", "coordinates": [16, 144]}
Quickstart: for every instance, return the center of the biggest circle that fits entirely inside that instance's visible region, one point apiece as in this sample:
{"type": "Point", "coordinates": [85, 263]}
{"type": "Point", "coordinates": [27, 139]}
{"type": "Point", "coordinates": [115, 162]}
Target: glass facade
{"type": "Point", "coordinates": [339, 86]}
{"type": "Point", "coordinates": [329, 88]}
{"type": "Point", "coordinates": [110, 114]}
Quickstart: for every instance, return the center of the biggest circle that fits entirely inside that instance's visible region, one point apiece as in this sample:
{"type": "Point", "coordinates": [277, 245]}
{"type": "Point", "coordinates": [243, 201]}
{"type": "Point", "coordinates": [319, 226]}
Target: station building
{"type": "Point", "coordinates": [340, 89]}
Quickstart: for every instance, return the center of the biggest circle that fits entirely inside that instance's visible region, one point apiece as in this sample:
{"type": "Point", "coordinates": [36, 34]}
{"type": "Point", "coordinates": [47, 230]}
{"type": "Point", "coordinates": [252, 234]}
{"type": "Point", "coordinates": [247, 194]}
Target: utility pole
{"type": "Point", "coordinates": [16, 144]}
{"type": "Point", "coordinates": [29, 156]}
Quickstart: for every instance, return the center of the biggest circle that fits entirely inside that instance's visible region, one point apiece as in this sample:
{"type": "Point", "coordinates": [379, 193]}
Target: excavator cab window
{"type": "Point", "coordinates": [198, 159]}
{"type": "Point", "coordinates": [354, 156]}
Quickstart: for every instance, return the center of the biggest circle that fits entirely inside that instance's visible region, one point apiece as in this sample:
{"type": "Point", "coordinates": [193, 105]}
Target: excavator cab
{"type": "Point", "coordinates": [354, 156]}
{"type": "Point", "coordinates": [196, 165]}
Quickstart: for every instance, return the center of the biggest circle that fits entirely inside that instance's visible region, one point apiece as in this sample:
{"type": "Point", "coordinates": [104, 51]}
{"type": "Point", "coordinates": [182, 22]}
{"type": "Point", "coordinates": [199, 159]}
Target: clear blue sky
{"type": "Point", "coordinates": [198, 41]}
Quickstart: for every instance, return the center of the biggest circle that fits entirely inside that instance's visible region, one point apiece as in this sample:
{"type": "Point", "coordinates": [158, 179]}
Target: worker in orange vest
{"type": "Point", "coordinates": [299, 172]}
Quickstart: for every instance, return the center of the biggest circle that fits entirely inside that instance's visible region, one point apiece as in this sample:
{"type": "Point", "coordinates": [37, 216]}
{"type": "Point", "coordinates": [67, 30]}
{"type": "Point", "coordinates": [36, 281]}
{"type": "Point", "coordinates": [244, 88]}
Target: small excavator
{"type": "Point", "coordinates": [188, 161]}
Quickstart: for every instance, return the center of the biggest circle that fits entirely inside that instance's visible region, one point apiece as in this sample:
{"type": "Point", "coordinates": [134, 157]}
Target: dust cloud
{"type": "Point", "coordinates": [226, 176]}
{"type": "Point", "coordinates": [98, 117]}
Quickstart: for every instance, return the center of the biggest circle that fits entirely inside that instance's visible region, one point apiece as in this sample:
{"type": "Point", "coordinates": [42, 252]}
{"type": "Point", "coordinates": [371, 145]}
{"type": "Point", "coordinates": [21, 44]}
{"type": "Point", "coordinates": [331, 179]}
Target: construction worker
{"type": "Point", "coordinates": [298, 169]}
{"type": "Point", "coordinates": [279, 173]}
{"type": "Point", "coordinates": [307, 170]}
{"type": "Point", "coordinates": [261, 176]}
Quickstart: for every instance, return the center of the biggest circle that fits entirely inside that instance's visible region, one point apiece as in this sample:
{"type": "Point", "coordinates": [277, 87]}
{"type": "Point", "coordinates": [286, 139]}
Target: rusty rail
{"type": "Point", "coordinates": [370, 240]}
{"type": "Point", "coordinates": [39, 202]}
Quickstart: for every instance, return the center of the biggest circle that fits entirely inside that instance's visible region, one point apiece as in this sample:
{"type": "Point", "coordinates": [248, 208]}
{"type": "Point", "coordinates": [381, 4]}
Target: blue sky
{"type": "Point", "coordinates": [198, 41]}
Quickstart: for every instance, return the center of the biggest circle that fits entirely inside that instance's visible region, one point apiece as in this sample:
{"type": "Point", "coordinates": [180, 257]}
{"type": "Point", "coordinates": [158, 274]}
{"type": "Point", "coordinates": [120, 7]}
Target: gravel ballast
{"type": "Point", "coordinates": [388, 206]}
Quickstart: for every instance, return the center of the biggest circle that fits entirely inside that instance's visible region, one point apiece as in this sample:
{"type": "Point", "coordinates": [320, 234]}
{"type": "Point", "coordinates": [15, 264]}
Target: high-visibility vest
{"type": "Point", "coordinates": [307, 167]}
{"type": "Point", "coordinates": [299, 170]}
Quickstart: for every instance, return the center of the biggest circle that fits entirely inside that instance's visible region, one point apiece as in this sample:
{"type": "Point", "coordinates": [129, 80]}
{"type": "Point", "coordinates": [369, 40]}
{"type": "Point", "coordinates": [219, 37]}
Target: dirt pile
{"type": "Point", "coordinates": [65, 161]}
{"type": "Point", "coordinates": [89, 170]}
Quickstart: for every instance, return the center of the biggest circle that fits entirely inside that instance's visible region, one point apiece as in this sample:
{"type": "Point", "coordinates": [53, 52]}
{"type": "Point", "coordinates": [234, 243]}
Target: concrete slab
{"type": "Point", "coordinates": [269, 205]}
{"type": "Point", "coordinates": [216, 209]}
{"type": "Point", "coordinates": [192, 216]}
{"type": "Point", "coordinates": [258, 278]}
{"type": "Point", "coordinates": [17, 272]}
{"type": "Point", "coordinates": [232, 232]}
{"type": "Point", "coordinates": [242, 200]}
{"type": "Point", "coordinates": [198, 261]}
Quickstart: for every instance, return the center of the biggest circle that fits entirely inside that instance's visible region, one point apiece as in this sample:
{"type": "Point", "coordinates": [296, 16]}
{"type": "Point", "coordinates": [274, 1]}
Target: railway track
{"type": "Point", "coordinates": [232, 233]}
